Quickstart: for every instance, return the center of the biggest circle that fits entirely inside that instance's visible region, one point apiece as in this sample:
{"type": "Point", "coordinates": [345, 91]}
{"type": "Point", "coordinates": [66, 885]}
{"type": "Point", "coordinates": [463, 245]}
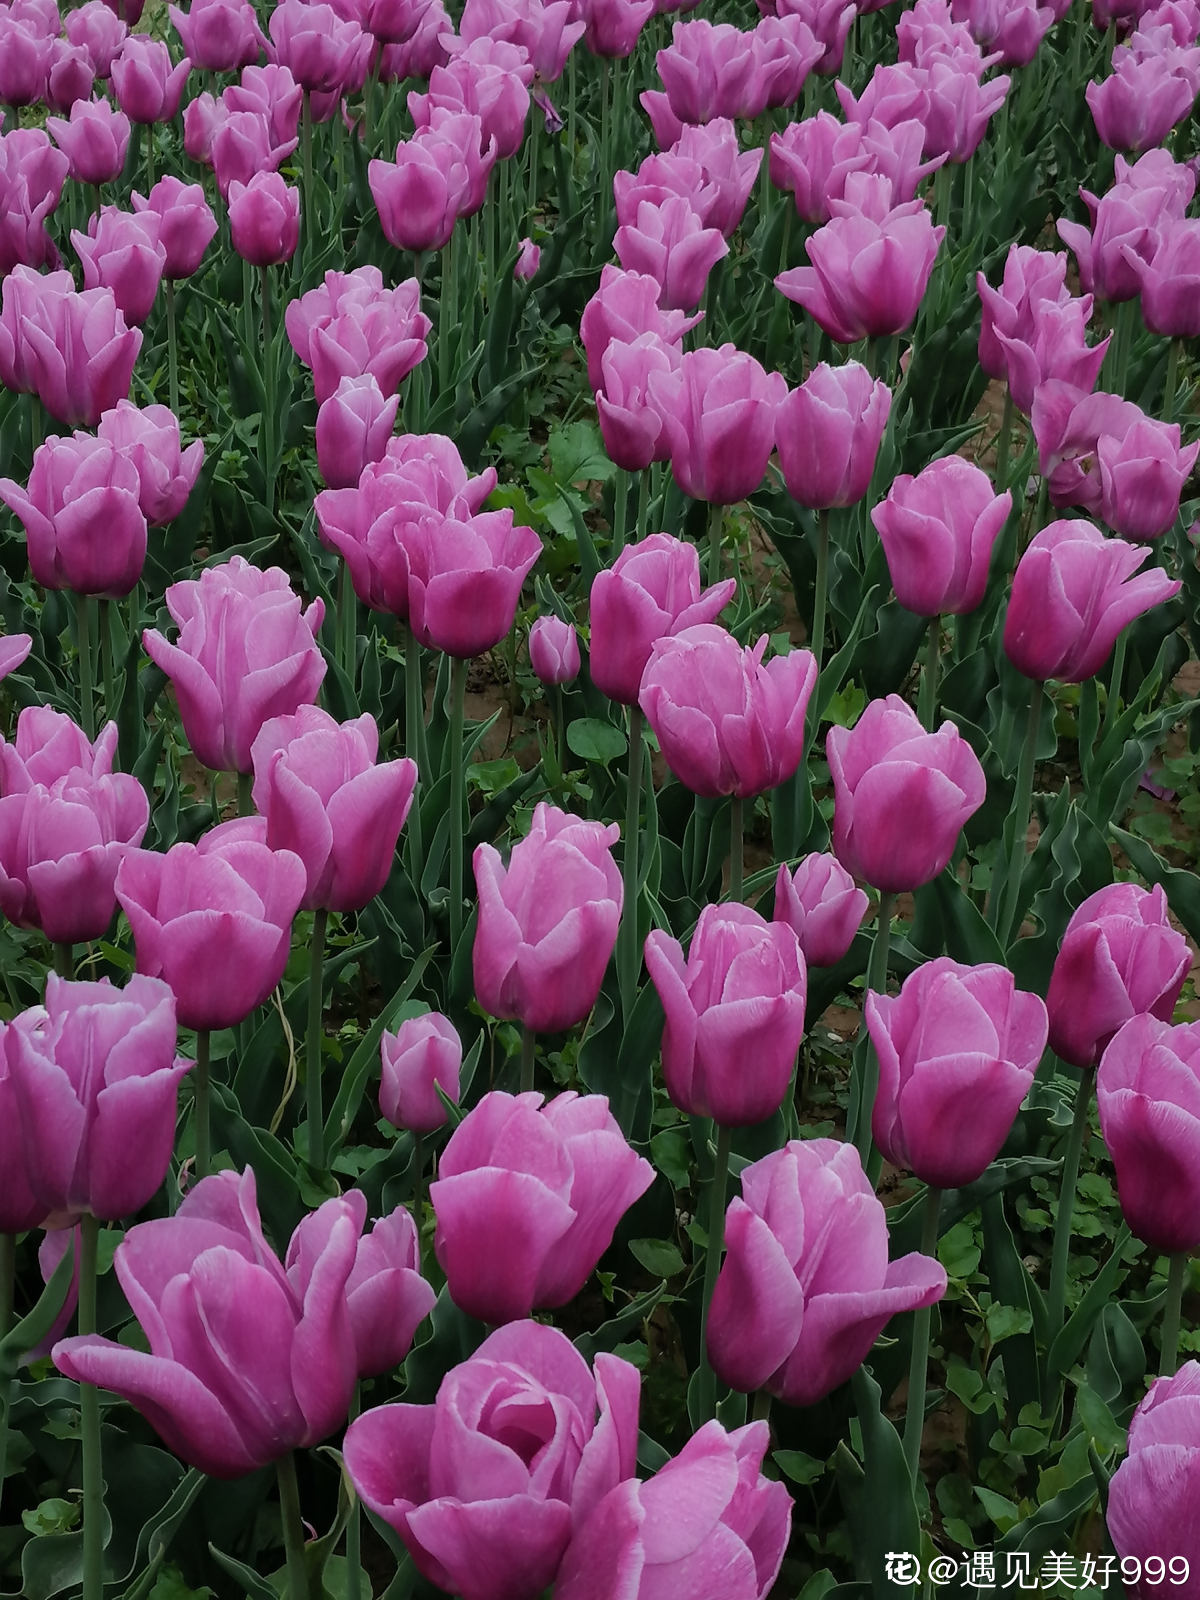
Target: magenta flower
{"type": "Point", "coordinates": [353, 429]}
{"type": "Point", "coordinates": [487, 78]}
{"type": "Point", "coordinates": [323, 51]}
{"type": "Point", "coordinates": [465, 577]}
{"type": "Point", "coordinates": [147, 85]}
{"type": "Point", "coordinates": [547, 922]}
{"type": "Point", "coordinates": [219, 35]}
{"type": "Point", "coordinates": [186, 224]}
{"type": "Point", "coordinates": [828, 431]}
{"type": "Point", "coordinates": [630, 422]}
{"type": "Point", "coordinates": [121, 251]}
{"type": "Point", "coordinates": [149, 437]}
{"type": "Point", "coordinates": [527, 1199]}
{"type": "Point", "coordinates": [98, 30]}
{"type": "Point", "coordinates": [455, 1478]}
{"type": "Point", "coordinates": [669, 243]}
{"type": "Point", "coordinates": [739, 997]}
{"type": "Point", "coordinates": [264, 219]}
{"type": "Point", "coordinates": [811, 160]}
{"type": "Point", "coordinates": [1154, 1493]}
{"type": "Point", "coordinates": [94, 140]}
{"type": "Point", "coordinates": [76, 351]}
{"type": "Point", "coordinates": [32, 174]}
{"type": "Point", "coordinates": [938, 530]}
{"type": "Point", "coordinates": [352, 326]}
{"type": "Point", "coordinates": [545, 30]}
{"type": "Point", "coordinates": [439, 175]}
{"type": "Point", "coordinates": [718, 409]}
{"type": "Point", "coordinates": [725, 722]}
{"type": "Point", "coordinates": [806, 1287]}
{"type": "Point", "coordinates": [246, 652]}
{"type": "Point", "coordinates": [822, 905]}
{"type": "Point", "coordinates": [317, 783]}
{"type": "Point", "coordinates": [554, 650]}
{"type": "Point", "coordinates": [1170, 281]}
{"type": "Point", "coordinates": [421, 1057]}
{"type": "Point", "coordinates": [214, 919]}
{"type": "Point", "coordinates": [623, 307]}
{"type": "Point", "coordinates": [247, 1359]}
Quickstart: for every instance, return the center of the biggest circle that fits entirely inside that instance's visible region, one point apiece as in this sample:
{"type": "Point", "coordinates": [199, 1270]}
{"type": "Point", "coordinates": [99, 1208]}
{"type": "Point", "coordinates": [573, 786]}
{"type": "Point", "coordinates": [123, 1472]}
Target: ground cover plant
{"type": "Point", "coordinates": [597, 799]}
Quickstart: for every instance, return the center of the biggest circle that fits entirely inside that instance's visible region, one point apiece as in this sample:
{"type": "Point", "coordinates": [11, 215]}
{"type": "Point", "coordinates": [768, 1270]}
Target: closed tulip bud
{"type": "Point", "coordinates": [219, 35]}
{"type": "Point", "coordinates": [725, 722]}
{"type": "Point", "coordinates": [822, 905]}
{"type": "Point", "coordinates": [718, 410]}
{"type": "Point", "coordinates": [386, 1296]}
{"type": "Point", "coordinates": [630, 1538]}
{"type": "Point", "coordinates": [206, 1282]}
{"type": "Point", "coordinates": [1154, 1495]}
{"type": "Point", "coordinates": [650, 591]}
{"type": "Point", "coordinates": [901, 795]}
{"type": "Point", "coordinates": [421, 1057]}
{"type": "Point", "coordinates": [121, 252]}
{"type": "Point", "coordinates": [614, 26]}
{"type": "Point", "coordinates": [1072, 594]}
{"type": "Point", "coordinates": [455, 1476]}
{"type": "Point", "coordinates": [739, 997]}
{"type": "Point", "coordinates": [938, 531]}
{"type": "Point", "coordinates": [70, 77]}
{"type": "Point", "coordinates": [24, 62]}
{"type": "Point", "coordinates": [246, 652]}
{"type": "Point", "coordinates": [957, 1048]}
{"type": "Point", "coordinates": [828, 432]}
{"type": "Point", "coordinates": [94, 140]}
{"type": "Point", "coordinates": [527, 1199]}
{"type": "Point", "coordinates": [214, 919]}
{"type": "Point", "coordinates": [547, 922]}
{"type": "Point", "coordinates": [264, 219]}
{"type": "Point", "coordinates": [554, 650]}
{"type": "Point", "coordinates": [317, 783]}
{"type": "Point", "coordinates": [149, 436]}
{"type": "Point", "coordinates": [14, 648]}
{"type": "Point", "coordinates": [95, 1077]}
{"type": "Point", "coordinates": [631, 423]}
{"type": "Point", "coordinates": [805, 1287]}
{"type": "Point", "coordinates": [186, 224]}
{"type": "Point", "coordinates": [529, 259]}
{"type": "Point", "coordinates": [84, 525]}
{"type": "Point", "coordinates": [960, 108]}
{"type": "Point", "coordinates": [1148, 1092]}
{"type": "Point", "coordinates": [353, 428]}
{"type": "Point", "coordinates": [148, 86]}
{"type": "Point", "coordinates": [1126, 223]}
{"type": "Point", "coordinates": [1119, 958]}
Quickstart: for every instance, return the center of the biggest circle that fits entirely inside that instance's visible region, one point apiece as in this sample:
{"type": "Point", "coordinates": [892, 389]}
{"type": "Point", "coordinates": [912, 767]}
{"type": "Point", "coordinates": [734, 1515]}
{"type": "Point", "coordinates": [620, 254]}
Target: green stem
{"type": "Point", "coordinates": [200, 1103]}
{"type": "Point", "coordinates": [268, 421]}
{"type": "Point", "coordinates": [820, 593]}
{"type": "Point", "coordinates": [760, 1411]}
{"type": "Point", "coordinates": [1066, 1206]}
{"type": "Point", "coordinates": [418, 1188]}
{"type": "Point", "coordinates": [89, 1417]}
{"type": "Point", "coordinates": [446, 316]}
{"type": "Point", "coordinates": [927, 699]}
{"type": "Point", "coordinates": [458, 701]}
{"type": "Point", "coordinates": [347, 623]}
{"type": "Point", "coordinates": [309, 214]}
{"type": "Point", "coordinates": [172, 349]}
{"type": "Point", "coordinates": [312, 1051]}
{"type": "Point", "coordinates": [87, 671]}
{"type": "Point", "coordinates": [877, 984]}
{"type": "Point", "coordinates": [64, 960]}
{"type": "Point", "coordinates": [712, 1261]}
{"type": "Point", "coordinates": [528, 1058]}
{"type": "Point", "coordinates": [1006, 909]}
{"type": "Point", "coordinates": [716, 522]}
{"type": "Point", "coordinates": [293, 1527]}
{"type": "Point", "coordinates": [737, 859]}
{"type": "Point", "coordinates": [354, 1523]}
{"type": "Point", "coordinates": [1173, 1314]}
{"type": "Point", "coordinates": [245, 794]}
{"type": "Point", "coordinates": [8, 1279]}
{"type": "Point", "coordinates": [107, 664]}
{"type": "Point", "coordinates": [620, 510]}
{"type": "Point", "coordinates": [628, 954]}
{"type": "Point", "coordinates": [1112, 706]}
{"type": "Point", "coordinates": [1002, 444]}
{"type": "Point", "coordinates": [414, 731]}
{"type": "Point", "coordinates": [1172, 379]}
{"type": "Point", "coordinates": [914, 1418]}
{"type": "Point", "coordinates": [643, 510]}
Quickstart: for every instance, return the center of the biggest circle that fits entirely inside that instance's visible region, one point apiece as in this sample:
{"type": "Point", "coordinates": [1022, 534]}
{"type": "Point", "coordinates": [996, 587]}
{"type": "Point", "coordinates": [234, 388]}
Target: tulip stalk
{"type": "Point", "coordinates": [89, 1421]}
{"type": "Point", "coordinates": [293, 1527]}
{"type": "Point", "coordinates": [347, 624]}
{"type": "Point", "coordinates": [87, 669]}
{"type": "Point", "coordinates": [1171, 383]}
{"type": "Point", "coordinates": [528, 1058]}
{"type": "Point", "coordinates": [1172, 1315]}
{"type": "Point", "coordinates": [64, 960]}
{"type": "Point", "coordinates": [1003, 439]}
{"type": "Point", "coordinates": [172, 349]}
{"type": "Point", "coordinates": [312, 1050]}
{"type": "Point", "coordinates": [737, 862]}
{"type": "Point", "coordinates": [200, 1103]}
{"type": "Point", "coordinates": [718, 1183]}
{"type": "Point", "coordinates": [927, 697]}
{"type": "Point", "coordinates": [1004, 907]}
{"type": "Point", "coordinates": [1066, 1207]}
{"type": "Point", "coordinates": [414, 733]}
{"type": "Point", "coordinates": [918, 1367]}
{"type": "Point", "coordinates": [458, 703]}
{"type": "Point", "coordinates": [877, 983]}
{"type": "Point", "coordinates": [716, 522]}
{"type": "Point", "coordinates": [627, 936]}
{"type": "Point", "coordinates": [268, 419]}
{"type": "Point", "coordinates": [245, 794]}
{"type": "Point", "coordinates": [1112, 705]}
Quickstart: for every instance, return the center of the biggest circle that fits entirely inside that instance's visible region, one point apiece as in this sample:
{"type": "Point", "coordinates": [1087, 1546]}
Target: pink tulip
{"type": "Point", "coordinates": [901, 795]}
{"type": "Point", "coordinates": [739, 997]}
{"type": "Point", "coordinates": [32, 174]}
{"type": "Point", "coordinates": [99, 31]}
{"type": "Point", "coordinates": [438, 176]}
{"type": "Point", "coordinates": [632, 425]}
{"type": "Point", "coordinates": [386, 1296]}
{"type": "Point", "coordinates": [121, 251]}
{"type": "Point", "coordinates": [24, 61]}
{"type": "Point", "coordinates": [529, 259]}
{"type": "Point", "coordinates": [264, 219]}
{"type": "Point", "coordinates": [317, 783]}
{"type": "Point", "coordinates": [613, 27]}
{"type": "Point", "coordinates": [828, 432]}
{"type": "Point", "coordinates": [823, 907]}
{"type": "Point", "coordinates": [1126, 222]}
{"type": "Point", "coordinates": [527, 1199]}
{"type": "Point", "coordinates": [1031, 278]}
{"type": "Point", "coordinates": [1170, 282]}
{"type": "Point", "coordinates": [486, 78]}
{"type": "Point", "coordinates": [465, 577]}
{"type": "Point", "coordinates": [1138, 104]}
{"type": "Point", "coordinates": [324, 52]}
{"type": "Point", "coordinates": [806, 1287]}
{"type": "Point", "coordinates": [247, 652]}
{"type": "Point", "coordinates": [186, 224]}
{"type": "Point", "coordinates": [69, 76]}
{"type": "Point", "coordinates": [718, 410]}
{"type": "Point", "coordinates": [73, 350]}
{"type": "Point", "coordinates": [547, 922]}
{"type": "Point", "coordinates": [1012, 29]}
{"type": "Point", "coordinates": [938, 531]}
{"type": "Point", "coordinates": [545, 30]}
{"type": "Point", "coordinates": [148, 86]}
{"type": "Point", "coordinates": [454, 1478]}
{"type": "Point", "coordinates": [554, 650]}
{"type": "Point", "coordinates": [669, 243]}
{"type": "Point", "coordinates": [422, 1056]}
{"type": "Point", "coordinates": [353, 427]}
{"type": "Point", "coordinates": [94, 140]}
{"type": "Point", "coordinates": [1155, 1492]}
{"type": "Point", "coordinates": [623, 307]}
{"type": "Point", "coordinates": [353, 327]}
{"type": "Point", "coordinates": [149, 436]}
{"type": "Point", "coordinates": [219, 35]}
{"type": "Point", "coordinates": [214, 919]}
{"type": "Point", "coordinates": [811, 161]}
{"type": "Point", "coordinates": [727, 724]}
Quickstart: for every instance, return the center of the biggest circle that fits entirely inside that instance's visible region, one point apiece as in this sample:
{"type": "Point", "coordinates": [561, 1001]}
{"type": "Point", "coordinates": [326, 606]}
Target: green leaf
{"type": "Point", "coordinates": [658, 1256]}
{"type": "Point", "coordinates": [797, 1466]}
{"type": "Point", "coordinates": [593, 740]}
{"type": "Point", "coordinates": [1003, 1322]}
{"type": "Point", "coordinates": [577, 454]}
{"type": "Point", "coordinates": [671, 1154]}
{"type": "Point", "coordinates": [254, 1586]}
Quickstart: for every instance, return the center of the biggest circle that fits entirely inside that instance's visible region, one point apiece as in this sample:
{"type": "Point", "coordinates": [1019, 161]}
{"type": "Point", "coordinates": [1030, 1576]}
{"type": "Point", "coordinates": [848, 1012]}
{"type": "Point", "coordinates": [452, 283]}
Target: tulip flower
{"type": "Point", "coordinates": [94, 140]}
{"type": "Point", "coordinates": [147, 85]}
{"type": "Point", "coordinates": [957, 1048]}
{"type": "Point", "coordinates": [811, 160]}
{"type": "Point", "coordinates": [738, 1523]}
{"type": "Point", "coordinates": [14, 648]}
{"type": "Point", "coordinates": [324, 798]}
{"type": "Point", "coordinates": [1031, 278]}
{"type": "Point", "coordinates": [149, 437]}
{"type": "Point", "coordinates": [725, 722]}
{"type": "Point", "coordinates": [246, 652]}
{"type": "Point", "coordinates": [1148, 1091]}
{"type": "Point", "coordinates": [1170, 282]}
{"type": "Point", "coordinates": [669, 243]}
{"type": "Point", "coordinates": [1052, 347]}
{"type": "Point", "coordinates": [94, 1076]}
{"type": "Point", "coordinates": [1011, 29]}
{"type": "Point", "coordinates": [554, 650]}
{"type": "Point", "coordinates": [386, 1296]}
{"type": "Point", "coordinates": [98, 30]}
{"type": "Point", "coordinates": [24, 62]}
{"type": "Point", "coordinates": [718, 410]}
{"type": "Point", "coordinates": [323, 51]}
{"type": "Point", "coordinates": [806, 1287]}
{"type": "Point", "coordinates": [121, 252]}
{"type": "Point", "coordinates": [69, 76]}
{"type": "Point", "coordinates": [241, 145]}
{"type": "Point", "coordinates": [32, 174]}
{"type": "Point", "coordinates": [630, 422]}
{"type": "Point", "coordinates": [938, 530]}
{"type": "Point", "coordinates": [76, 350]}
{"type": "Point", "coordinates": [214, 919]}
{"type": "Point", "coordinates": [454, 1478]}
{"type": "Point", "coordinates": [1141, 100]}
{"type": "Point", "coordinates": [487, 78]}
{"type": "Point", "coordinates": [527, 1198]}
{"type": "Point", "coordinates": [727, 174]}
{"type": "Point", "coordinates": [901, 795]}
{"type": "Point", "coordinates": [1142, 476]}
{"type": "Point", "coordinates": [1154, 1496]}
{"type": "Point", "coordinates": [82, 517]}
{"type": "Point", "coordinates": [739, 997]}
{"type": "Point", "coordinates": [421, 1057]}
{"type": "Point", "coordinates": [464, 579]}
{"type": "Point", "coordinates": [1126, 223]}
{"type": "Point", "coordinates": [613, 27]}
{"type": "Point", "coordinates": [352, 326]}
{"type": "Point", "coordinates": [823, 907]}
{"type": "Point", "coordinates": [439, 175]}
{"type": "Point", "coordinates": [624, 306]}
{"type": "Point", "coordinates": [960, 108]}
{"type": "Point", "coordinates": [264, 219]}
{"type": "Point", "coordinates": [1072, 594]}
{"type": "Point", "coordinates": [219, 35]}
{"type": "Point", "coordinates": [1120, 958]}
{"type": "Point", "coordinates": [828, 431]}
{"type": "Point", "coordinates": [1067, 425]}
{"type": "Point", "coordinates": [353, 429]}
{"type": "Point", "coordinates": [547, 922]}
{"type": "Point", "coordinates": [186, 224]}
{"type": "Point", "coordinates": [895, 93]}
{"type": "Point", "coordinates": [529, 259]}
{"type": "Point", "coordinates": [247, 1358]}
{"type": "Point", "coordinates": [545, 30]}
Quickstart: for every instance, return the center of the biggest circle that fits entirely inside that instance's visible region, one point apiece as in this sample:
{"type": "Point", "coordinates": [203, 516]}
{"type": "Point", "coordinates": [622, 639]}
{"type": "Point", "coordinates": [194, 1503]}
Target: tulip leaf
{"type": "Point", "coordinates": [155, 1536]}
{"type": "Point", "coordinates": [878, 1498]}
{"type": "Point", "coordinates": [1182, 888]}
{"type": "Point", "coordinates": [1065, 1350]}
{"type": "Point", "coordinates": [593, 740]}
{"type": "Point", "coordinates": [35, 1326]}
{"type": "Point", "coordinates": [254, 1586]}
